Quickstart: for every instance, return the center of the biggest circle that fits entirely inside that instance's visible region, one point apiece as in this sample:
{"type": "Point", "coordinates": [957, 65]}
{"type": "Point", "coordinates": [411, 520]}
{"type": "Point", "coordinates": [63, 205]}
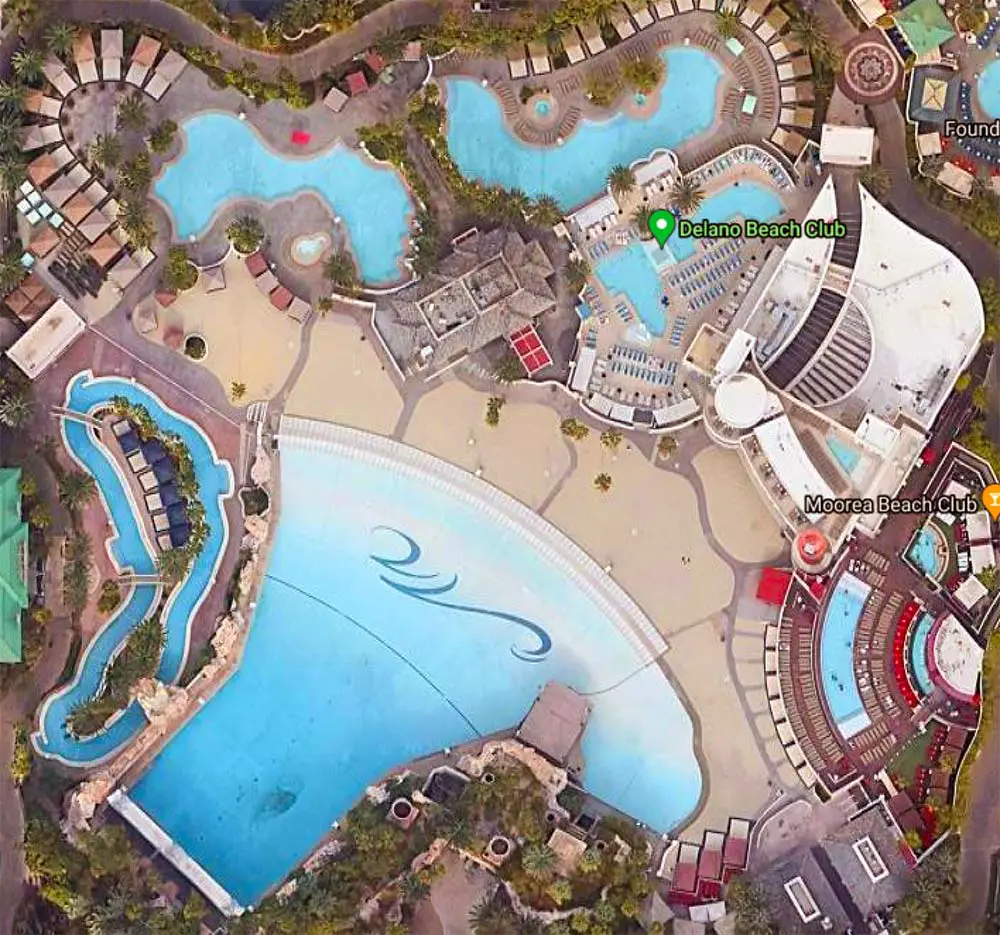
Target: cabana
{"type": "Point", "coordinates": [61, 190]}
{"type": "Point", "coordinates": [664, 8]}
{"type": "Point", "coordinates": [539, 55]}
{"type": "Point", "coordinates": [357, 83]}
{"type": "Point", "coordinates": [753, 13]}
{"type": "Point", "coordinates": [42, 169]}
{"type": "Point", "coordinates": [685, 6]}
{"type": "Point", "coordinates": [104, 251]}
{"type": "Point", "coordinates": [179, 535]}
{"type": "Point", "coordinates": [335, 100]}
{"type": "Point", "coordinates": [143, 58]}
{"type": "Point", "coordinates": [797, 116]}
{"type": "Point", "coordinates": [777, 19]}
{"type": "Point", "coordinates": [799, 66]}
{"type": "Point", "coordinates": [85, 57]}
{"type": "Point", "coordinates": [77, 208]}
{"type": "Point", "coordinates": [267, 282]}
{"type": "Point", "coordinates": [47, 339]}
{"type": "Point", "coordinates": [35, 102]}
{"type": "Point", "coordinates": [592, 38]}
{"type": "Point", "coordinates": [94, 225]}
{"type": "Point", "coordinates": [38, 135]}
{"type": "Point", "coordinates": [281, 297]}
{"type": "Point", "coordinates": [137, 462]}
{"type": "Point", "coordinates": [764, 31]}
{"type": "Point", "coordinates": [640, 12]}
{"type": "Point", "coordinates": [112, 50]}
{"type": "Point", "coordinates": [299, 310]}
{"type": "Point", "coordinates": [789, 140]}
{"type": "Point", "coordinates": [572, 47]}
{"type": "Point", "coordinates": [44, 241]}
{"type": "Point", "coordinates": [63, 156]}
{"type": "Point", "coordinates": [779, 50]}
{"type": "Point", "coordinates": [124, 271]}
{"type": "Point", "coordinates": [163, 470]}
{"type": "Point", "coordinates": [167, 72]}
{"type": "Point", "coordinates": [215, 279]}
{"type": "Point", "coordinates": [622, 23]}
{"type": "Point", "coordinates": [177, 514]}
{"type": "Point", "coordinates": [55, 71]}
{"type": "Point", "coordinates": [256, 264]}
{"type": "Point", "coordinates": [517, 63]}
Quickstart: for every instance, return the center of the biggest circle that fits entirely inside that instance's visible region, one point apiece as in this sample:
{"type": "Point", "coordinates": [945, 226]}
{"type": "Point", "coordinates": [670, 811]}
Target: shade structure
{"type": "Point", "coordinates": [35, 102]}
{"type": "Point", "coordinates": [61, 189]}
{"type": "Point", "coordinates": [44, 241]}
{"type": "Point", "coordinates": [215, 279]}
{"type": "Point", "coordinates": [256, 264]}
{"type": "Point", "coordinates": [42, 169]}
{"type": "Point", "coordinates": [267, 282]}
{"type": "Point", "coordinates": [104, 250]}
{"type": "Point", "coordinates": [145, 51]}
{"type": "Point", "coordinates": [111, 43]}
{"type": "Point", "coordinates": [281, 298]}
{"type": "Point", "coordinates": [357, 83]}
{"type": "Point", "coordinates": [77, 208]}
{"type": "Point", "coordinates": [299, 310]}
{"type": "Point", "coordinates": [38, 135]}
{"type": "Point", "coordinates": [124, 271]}
{"type": "Point", "coordinates": [94, 225]}
{"type": "Point", "coordinates": [335, 99]}
{"type": "Point", "coordinates": [63, 156]}
{"type": "Point", "coordinates": [171, 66]}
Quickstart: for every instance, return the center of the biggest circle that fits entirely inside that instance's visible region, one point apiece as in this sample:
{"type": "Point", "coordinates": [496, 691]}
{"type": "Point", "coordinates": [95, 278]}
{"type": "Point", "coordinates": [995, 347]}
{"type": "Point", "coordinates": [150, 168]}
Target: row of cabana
{"type": "Point", "coordinates": [281, 297]}
{"type": "Point", "coordinates": [155, 472]}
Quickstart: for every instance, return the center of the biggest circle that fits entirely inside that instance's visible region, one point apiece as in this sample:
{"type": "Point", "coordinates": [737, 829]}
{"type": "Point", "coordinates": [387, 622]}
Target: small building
{"type": "Point", "coordinates": [555, 723]}
{"type": "Point", "coordinates": [47, 339]}
{"type": "Point", "coordinates": [924, 26]}
{"type": "Point", "coordinates": [13, 565]}
{"type": "Point", "coordinates": [357, 83]}
{"type": "Point", "coordinates": [846, 146]}
{"type": "Point", "coordinates": [335, 100]}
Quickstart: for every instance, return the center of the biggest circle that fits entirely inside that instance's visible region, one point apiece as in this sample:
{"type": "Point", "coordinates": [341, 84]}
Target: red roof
{"type": "Point", "coordinates": [356, 83]}
{"type": "Point", "coordinates": [256, 264]}
{"type": "Point", "coordinates": [773, 586]}
{"type": "Point", "coordinates": [374, 61]}
{"type": "Point", "coordinates": [281, 298]}
{"type": "Point", "coordinates": [685, 878]}
{"type": "Point", "coordinates": [734, 852]}
{"type": "Point", "coordinates": [529, 349]}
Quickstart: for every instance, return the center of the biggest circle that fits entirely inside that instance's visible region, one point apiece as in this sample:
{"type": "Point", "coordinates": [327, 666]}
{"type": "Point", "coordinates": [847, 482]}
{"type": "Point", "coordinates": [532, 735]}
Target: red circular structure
{"type": "Point", "coordinates": [812, 547]}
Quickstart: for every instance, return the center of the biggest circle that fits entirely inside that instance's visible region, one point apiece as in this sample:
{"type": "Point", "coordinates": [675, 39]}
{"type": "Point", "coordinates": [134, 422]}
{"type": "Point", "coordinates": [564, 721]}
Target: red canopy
{"type": "Point", "coordinates": [300, 137]}
{"type": "Point", "coordinates": [773, 586]}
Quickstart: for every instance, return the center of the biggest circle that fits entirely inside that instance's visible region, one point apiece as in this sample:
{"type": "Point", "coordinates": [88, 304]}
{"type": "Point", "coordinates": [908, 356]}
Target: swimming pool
{"type": "Point", "coordinates": [845, 456]}
{"type": "Point", "coordinates": [925, 554]}
{"type": "Point", "coordinates": [224, 159]}
{"type": "Point", "coordinates": [988, 88]}
{"type": "Point", "coordinates": [131, 550]}
{"type": "Point", "coordinates": [634, 271]}
{"type": "Point", "coordinates": [407, 607]}
{"type": "Point", "coordinates": [918, 654]}
{"type": "Point", "coordinates": [484, 148]}
{"type": "Point", "coordinates": [836, 655]}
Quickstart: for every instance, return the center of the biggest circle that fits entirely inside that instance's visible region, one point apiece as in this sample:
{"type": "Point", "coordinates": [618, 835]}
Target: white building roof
{"type": "Point", "coordinates": [741, 400]}
{"type": "Point", "coordinates": [980, 526]}
{"type": "Point", "coordinates": [792, 466]}
{"type": "Point", "coordinates": [665, 163]}
{"type": "Point", "coordinates": [970, 592]}
{"type": "Point", "coordinates": [956, 178]}
{"type": "Point", "coordinates": [876, 433]}
{"type": "Point", "coordinates": [846, 146]}
{"type": "Point", "coordinates": [735, 355]}
{"type": "Point", "coordinates": [926, 316]}
{"type": "Point", "coordinates": [982, 556]}
{"type": "Point", "coordinates": [46, 339]}
{"type": "Point", "coordinates": [958, 658]}
{"type": "Point", "coordinates": [596, 211]}
{"type": "Point", "coordinates": [583, 369]}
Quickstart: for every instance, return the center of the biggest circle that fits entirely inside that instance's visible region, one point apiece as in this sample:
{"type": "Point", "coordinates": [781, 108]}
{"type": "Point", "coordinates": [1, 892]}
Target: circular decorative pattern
{"type": "Point", "coordinates": [870, 71]}
{"type": "Point", "coordinates": [543, 109]}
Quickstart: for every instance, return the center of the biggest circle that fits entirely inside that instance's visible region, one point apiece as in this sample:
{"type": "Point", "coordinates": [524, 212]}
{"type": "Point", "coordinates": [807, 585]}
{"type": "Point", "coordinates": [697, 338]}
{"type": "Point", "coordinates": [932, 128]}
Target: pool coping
{"type": "Point", "coordinates": [64, 689]}
{"type": "Point", "coordinates": [405, 272]}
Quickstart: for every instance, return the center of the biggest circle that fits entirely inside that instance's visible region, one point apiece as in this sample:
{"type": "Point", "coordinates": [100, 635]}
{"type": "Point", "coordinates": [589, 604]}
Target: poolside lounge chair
{"type": "Point", "coordinates": [163, 542]}
{"type": "Point", "coordinates": [85, 57]}
{"type": "Point", "coordinates": [572, 47]}
{"type": "Point", "coordinates": [147, 480]}
{"type": "Point", "coordinates": [143, 58]}
{"type": "Point", "coordinates": [56, 74]}
{"type": "Point", "coordinates": [517, 62]}
{"type": "Point", "coordinates": [539, 55]}
{"type": "Point", "coordinates": [160, 522]}
{"type": "Point", "coordinates": [623, 24]}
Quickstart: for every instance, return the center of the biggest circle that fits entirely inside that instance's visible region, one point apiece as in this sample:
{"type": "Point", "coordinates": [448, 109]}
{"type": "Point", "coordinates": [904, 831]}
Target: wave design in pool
{"type": "Point", "coordinates": [344, 678]}
{"type": "Point", "coordinates": [224, 159]}
{"type": "Point", "coordinates": [429, 592]}
{"type": "Point", "coordinates": [131, 550]}
{"type": "Point", "coordinates": [484, 148]}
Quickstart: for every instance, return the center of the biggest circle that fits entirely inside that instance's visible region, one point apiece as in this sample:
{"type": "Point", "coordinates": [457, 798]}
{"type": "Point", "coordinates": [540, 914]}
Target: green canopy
{"type": "Point", "coordinates": [13, 562]}
{"type": "Point", "coordinates": [925, 26]}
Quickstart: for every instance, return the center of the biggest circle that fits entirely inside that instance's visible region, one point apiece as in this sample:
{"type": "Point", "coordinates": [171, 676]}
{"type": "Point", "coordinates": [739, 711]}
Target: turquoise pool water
{"type": "Point", "coordinates": [846, 456]}
{"type": "Point", "coordinates": [132, 551]}
{"type": "Point", "coordinates": [485, 149]}
{"type": "Point", "coordinates": [836, 655]}
{"type": "Point", "coordinates": [543, 108]}
{"type": "Point", "coordinates": [923, 553]}
{"type": "Point", "coordinates": [634, 270]}
{"type": "Point", "coordinates": [224, 159]}
{"type": "Point", "coordinates": [918, 654]}
{"type": "Point", "coordinates": [989, 89]}
{"type": "Point", "coordinates": [396, 619]}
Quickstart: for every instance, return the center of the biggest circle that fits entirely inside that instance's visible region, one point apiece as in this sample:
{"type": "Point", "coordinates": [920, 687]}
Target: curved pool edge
{"type": "Point", "coordinates": [549, 542]}
{"type": "Point", "coordinates": [405, 273]}
{"type": "Point", "coordinates": [62, 690]}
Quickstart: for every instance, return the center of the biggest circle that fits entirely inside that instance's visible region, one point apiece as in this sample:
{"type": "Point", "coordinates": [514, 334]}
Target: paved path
{"type": "Point", "coordinates": [394, 16]}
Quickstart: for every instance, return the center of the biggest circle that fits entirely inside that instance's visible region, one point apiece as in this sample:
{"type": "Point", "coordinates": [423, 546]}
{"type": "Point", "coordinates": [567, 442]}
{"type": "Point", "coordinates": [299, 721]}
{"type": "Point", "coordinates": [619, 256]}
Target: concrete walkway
{"type": "Point", "coordinates": [394, 16]}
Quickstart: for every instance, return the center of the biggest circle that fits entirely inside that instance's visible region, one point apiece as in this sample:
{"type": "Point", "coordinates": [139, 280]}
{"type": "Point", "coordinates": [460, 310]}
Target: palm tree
{"type": "Point", "coordinates": [538, 861]}
{"type": "Point", "coordinates": [133, 113]}
{"type": "Point", "coordinates": [487, 917]}
{"type": "Point", "coordinates": [545, 212]}
{"type": "Point", "coordinates": [640, 217]}
{"type": "Point", "coordinates": [514, 204]}
{"type": "Point", "coordinates": [339, 268]}
{"type": "Point", "coordinates": [16, 410]}
{"type": "Point", "coordinates": [245, 233]}
{"type": "Point", "coordinates": [106, 151]}
{"type": "Point", "coordinates": [621, 180]}
{"type": "Point", "coordinates": [21, 13]}
{"type": "Point", "coordinates": [577, 273]}
{"type": "Point", "coordinates": [809, 31]}
{"type": "Point", "coordinates": [59, 38]}
{"type": "Point", "coordinates": [12, 173]}
{"type": "Point", "coordinates": [970, 15]}
{"type": "Point", "coordinates": [11, 271]}
{"type": "Point", "coordinates": [76, 489]}
{"type": "Point", "coordinates": [932, 165]}
{"type": "Point", "coordinates": [237, 390]}
{"type": "Point", "coordinates": [876, 179]}
{"type": "Point", "coordinates": [603, 482]}
{"type": "Point", "coordinates": [643, 74]}
{"type": "Point", "coordinates": [136, 222]}
{"type": "Point", "coordinates": [686, 196]}
{"type": "Point", "coordinates": [414, 889]}
{"type": "Point", "coordinates": [11, 96]}
{"type": "Point", "coordinates": [27, 64]}
{"type": "Point", "coordinates": [727, 23]}
{"type": "Point", "coordinates": [136, 173]}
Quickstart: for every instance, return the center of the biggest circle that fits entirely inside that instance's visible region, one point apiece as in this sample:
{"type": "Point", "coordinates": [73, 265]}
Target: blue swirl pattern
{"type": "Point", "coordinates": [429, 591]}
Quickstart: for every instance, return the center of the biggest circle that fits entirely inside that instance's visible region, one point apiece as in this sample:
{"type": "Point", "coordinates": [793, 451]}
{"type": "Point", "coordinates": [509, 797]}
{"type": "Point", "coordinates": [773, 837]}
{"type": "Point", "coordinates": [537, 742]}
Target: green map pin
{"type": "Point", "coordinates": [661, 225]}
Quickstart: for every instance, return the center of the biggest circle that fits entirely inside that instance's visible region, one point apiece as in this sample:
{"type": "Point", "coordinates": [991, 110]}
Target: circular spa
{"type": "Point", "coordinates": [308, 249]}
